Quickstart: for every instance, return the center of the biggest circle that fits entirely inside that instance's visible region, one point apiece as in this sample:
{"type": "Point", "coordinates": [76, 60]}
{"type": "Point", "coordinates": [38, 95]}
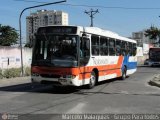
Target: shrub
{"type": "Point", "coordinates": [1, 74]}
{"type": "Point", "coordinates": [13, 72]}
{"type": "Point", "coordinates": [27, 71]}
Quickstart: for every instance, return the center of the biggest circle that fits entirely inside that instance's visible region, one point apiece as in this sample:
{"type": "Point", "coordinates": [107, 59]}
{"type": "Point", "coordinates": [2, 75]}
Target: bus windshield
{"type": "Point", "coordinates": [55, 50]}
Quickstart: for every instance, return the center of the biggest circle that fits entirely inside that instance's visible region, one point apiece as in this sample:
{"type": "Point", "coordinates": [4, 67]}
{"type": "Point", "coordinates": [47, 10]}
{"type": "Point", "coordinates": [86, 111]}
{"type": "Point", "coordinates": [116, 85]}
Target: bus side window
{"type": "Point", "coordinates": [118, 47]}
{"type": "Point", "coordinates": [84, 52]}
{"type": "Point", "coordinates": [130, 49]}
{"type": "Point", "coordinates": [95, 44]}
{"type": "Point", "coordinates": [123, 47]}
{"type": "Point", "coordinates": [134, 49]}
{"type": "Point", "coordinates": [103, 46]}
{"type": "Point", "coordinates": [84, 47]}
{"type": "Point", "coordinates": [112, 50]}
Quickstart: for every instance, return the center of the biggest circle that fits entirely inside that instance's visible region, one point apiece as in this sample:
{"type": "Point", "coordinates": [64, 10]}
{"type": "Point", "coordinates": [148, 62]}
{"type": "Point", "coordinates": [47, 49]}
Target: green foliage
{"type": "Point", "coordinates": [11, 73]}
{"type": "Point", "coordinates": [153, 33]}
{"type": "Point", "coordinates": [27, 71]}
{"type": "Point", "coordinates": [1, 75]}
{"type": "Point", "coordinates": [14, 72]}
{"type": "Point", "coordinates": [8, 35]}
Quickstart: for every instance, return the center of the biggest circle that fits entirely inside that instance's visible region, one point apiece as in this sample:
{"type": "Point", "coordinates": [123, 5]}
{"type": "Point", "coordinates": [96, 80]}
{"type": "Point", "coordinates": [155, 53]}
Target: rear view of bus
{"type": "Point", "coordinates": [75, 55]}
{"type": "Point", "coordinates": [154, 56]}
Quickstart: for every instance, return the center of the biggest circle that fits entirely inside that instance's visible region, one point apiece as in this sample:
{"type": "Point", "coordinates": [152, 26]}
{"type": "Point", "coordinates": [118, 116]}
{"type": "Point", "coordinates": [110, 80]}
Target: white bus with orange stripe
{"type": "Point", "coordinates": [76, 55]}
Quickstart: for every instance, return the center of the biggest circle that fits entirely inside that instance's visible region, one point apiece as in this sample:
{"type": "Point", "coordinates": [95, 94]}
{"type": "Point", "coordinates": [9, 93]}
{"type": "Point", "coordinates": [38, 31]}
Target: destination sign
{"type": "Point", "coordinates": [58, 30]}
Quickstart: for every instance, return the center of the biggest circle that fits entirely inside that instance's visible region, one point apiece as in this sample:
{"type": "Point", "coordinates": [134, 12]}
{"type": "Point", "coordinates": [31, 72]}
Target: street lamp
{"type": "Point", "coordinates": [20, 26]}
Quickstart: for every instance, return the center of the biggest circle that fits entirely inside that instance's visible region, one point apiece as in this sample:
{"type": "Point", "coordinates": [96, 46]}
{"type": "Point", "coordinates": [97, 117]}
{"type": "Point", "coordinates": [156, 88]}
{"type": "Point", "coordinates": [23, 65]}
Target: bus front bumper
{"type": "Point", "coordinates": [54, 81]}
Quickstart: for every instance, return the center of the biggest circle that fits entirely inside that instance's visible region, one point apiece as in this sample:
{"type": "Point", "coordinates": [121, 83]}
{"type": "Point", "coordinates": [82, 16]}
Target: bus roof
{"type": "Point", "coordinates": [107, 33]}
{"type": "Point", "coordinates": [97, 31]}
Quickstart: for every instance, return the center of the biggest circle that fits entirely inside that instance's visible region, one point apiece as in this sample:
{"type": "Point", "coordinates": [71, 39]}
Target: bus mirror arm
{"type": "Point", "coordinates": [84, 35]}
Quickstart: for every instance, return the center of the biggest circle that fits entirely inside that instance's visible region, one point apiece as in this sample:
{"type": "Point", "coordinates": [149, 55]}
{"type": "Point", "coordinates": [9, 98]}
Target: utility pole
{"type": "Point", "coordinates": [31, 21]}
{"type": "Point", "coordinates": [91, 14]}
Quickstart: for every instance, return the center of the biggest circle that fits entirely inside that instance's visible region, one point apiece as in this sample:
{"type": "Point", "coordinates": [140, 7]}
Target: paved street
{"type": "Point", "coordinates": [132, 95]}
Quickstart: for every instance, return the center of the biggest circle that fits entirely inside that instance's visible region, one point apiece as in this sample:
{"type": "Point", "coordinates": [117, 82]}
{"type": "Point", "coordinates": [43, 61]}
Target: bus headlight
{"type": "Point", "coordinates": [69, 76]}
{"type": "Point", "coordinates": [35, 74]}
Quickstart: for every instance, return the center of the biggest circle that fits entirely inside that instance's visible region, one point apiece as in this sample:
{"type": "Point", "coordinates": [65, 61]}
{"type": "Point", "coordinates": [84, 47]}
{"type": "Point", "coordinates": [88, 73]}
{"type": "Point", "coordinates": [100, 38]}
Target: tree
{"type": "Point", "coordinates": [153, 33]}
{"type": "Point", "coordinates": [8, 35]}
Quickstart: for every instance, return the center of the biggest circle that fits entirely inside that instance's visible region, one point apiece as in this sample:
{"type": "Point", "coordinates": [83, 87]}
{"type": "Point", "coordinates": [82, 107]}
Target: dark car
{"type": "Point", "coordinates": [146, 62]}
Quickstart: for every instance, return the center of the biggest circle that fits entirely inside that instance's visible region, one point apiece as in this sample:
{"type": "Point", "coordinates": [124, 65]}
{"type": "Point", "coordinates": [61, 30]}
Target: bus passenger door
{"type": "Point", "coordinates": [84, 51]}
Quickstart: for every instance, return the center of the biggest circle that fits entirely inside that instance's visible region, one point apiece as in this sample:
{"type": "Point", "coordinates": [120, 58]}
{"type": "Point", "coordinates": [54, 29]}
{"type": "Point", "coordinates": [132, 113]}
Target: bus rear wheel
{"type": "Point", "coordinates": [92, 81]}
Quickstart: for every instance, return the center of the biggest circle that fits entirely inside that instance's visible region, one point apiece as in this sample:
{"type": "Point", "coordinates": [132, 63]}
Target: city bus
{"type": "Point", "coordinates": [76, 56]}
{"type": "Point", "coordinates": [154, 56]}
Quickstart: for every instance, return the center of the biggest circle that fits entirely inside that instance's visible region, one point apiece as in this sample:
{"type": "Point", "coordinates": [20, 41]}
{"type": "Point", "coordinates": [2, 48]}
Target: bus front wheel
{"type": "Point", "coordinates": [92, 81]}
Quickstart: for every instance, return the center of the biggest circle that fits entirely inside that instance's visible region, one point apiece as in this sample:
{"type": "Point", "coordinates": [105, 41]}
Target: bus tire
{"type": "Point", "coordinates": [124, 75]}
{"type": "Point", "coordinates": [92, 81]}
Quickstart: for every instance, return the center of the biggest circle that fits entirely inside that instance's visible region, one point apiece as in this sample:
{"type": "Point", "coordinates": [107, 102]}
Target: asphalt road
{"type": "Point", "coordinates": [132, 95]}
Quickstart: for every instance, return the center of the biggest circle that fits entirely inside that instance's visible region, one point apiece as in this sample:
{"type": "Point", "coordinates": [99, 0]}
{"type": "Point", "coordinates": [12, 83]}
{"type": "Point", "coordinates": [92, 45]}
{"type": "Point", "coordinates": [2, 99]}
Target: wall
{"type": "Point", "coordinates": [141, 59]}
{"type": "Point", "coordinates": [10, 57]}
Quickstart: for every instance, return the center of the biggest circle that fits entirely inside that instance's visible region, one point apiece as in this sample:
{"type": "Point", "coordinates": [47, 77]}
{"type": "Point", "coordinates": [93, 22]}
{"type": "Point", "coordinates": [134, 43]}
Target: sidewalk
{"type": "Point", "coordinates": [156, 78]}
{"type": "Point", "coordinates": [155, 81]}
{"type": "Point", "coordinates": [14, 81]}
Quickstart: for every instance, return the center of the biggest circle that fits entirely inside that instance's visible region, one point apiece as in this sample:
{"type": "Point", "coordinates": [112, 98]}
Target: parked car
{"type": "Point", "coordinates": [146, 62]}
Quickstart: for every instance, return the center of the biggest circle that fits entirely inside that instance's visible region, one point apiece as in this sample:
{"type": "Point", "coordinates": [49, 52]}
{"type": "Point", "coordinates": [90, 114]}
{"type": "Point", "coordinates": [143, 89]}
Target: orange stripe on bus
{"type": "Point", "coordinates": [101, 73]}
{"type": "Point", "coordinates": [83, 72]}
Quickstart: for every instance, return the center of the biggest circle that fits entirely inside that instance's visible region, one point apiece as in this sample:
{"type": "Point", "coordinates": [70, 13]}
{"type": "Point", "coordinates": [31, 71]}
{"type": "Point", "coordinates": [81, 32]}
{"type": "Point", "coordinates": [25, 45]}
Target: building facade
{"type": "Point", "coordinates": [142, 41]}
{"type": "Point", "coordinates": [140, 38]}
{"type": "Point", "coordinates": [43, 18]}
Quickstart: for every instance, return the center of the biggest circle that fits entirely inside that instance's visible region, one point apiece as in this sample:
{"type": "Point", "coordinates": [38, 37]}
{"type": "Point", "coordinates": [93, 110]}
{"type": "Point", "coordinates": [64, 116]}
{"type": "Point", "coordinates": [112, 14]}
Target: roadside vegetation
{"type": "Point", "coordinates": [154, 34]}
{"type": "Point", "coordinates": [14, 72]}
{"type": "Point", "coordinates": [8, 35]}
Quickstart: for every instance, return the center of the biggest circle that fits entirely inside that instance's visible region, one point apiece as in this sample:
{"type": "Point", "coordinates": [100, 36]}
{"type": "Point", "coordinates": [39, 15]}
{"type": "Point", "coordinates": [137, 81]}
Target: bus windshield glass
{"type": "Point", "coordinates": [55, 50]}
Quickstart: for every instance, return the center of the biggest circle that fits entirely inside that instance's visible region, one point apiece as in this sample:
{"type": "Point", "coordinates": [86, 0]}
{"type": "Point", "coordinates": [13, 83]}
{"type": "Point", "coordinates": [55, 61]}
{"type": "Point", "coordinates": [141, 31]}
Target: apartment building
{"type": "Point", "coordinates": [141, 38]}
{"type": "Point", "coordinates": [42, 18]}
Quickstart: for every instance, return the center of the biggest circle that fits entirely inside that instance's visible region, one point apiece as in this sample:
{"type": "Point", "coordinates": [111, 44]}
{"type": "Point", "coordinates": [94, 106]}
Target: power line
{"type": "Point", "coordinates": [102, 7]}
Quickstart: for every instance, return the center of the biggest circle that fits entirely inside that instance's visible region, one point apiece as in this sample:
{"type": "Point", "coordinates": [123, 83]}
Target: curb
{"type": "Point", "coordinates": [155, 81]}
